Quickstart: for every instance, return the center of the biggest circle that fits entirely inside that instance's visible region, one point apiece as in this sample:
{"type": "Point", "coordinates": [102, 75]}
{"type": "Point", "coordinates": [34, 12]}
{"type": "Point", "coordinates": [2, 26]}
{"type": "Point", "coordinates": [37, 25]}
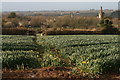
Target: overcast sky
{"type": "Point", "coordinates": [37, 6]}
{"type": "Point", "coordinates": [60, 0]}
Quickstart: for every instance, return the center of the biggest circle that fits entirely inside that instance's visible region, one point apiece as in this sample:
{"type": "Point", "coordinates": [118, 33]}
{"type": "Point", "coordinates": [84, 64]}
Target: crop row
{"type": "Point", "coordinates": [19, 52]}
{"type": "Point", "coordinates": [16, 42]}
{"type": "Point", "coordinates": [20, 59]}
{"type": "Point", "coordinates": [92, 54]}
{"type": "Point", "coordinates": [67, 40]}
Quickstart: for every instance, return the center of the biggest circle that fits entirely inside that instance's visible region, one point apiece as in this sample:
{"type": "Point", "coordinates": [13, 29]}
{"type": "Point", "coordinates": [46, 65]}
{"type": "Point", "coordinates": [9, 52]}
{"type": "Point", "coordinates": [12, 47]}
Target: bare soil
{"type": "Point", "coordinates": [51, 73]}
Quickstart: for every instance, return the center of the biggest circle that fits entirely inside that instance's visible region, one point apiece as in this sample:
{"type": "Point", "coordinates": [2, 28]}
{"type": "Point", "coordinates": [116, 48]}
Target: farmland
{"type": "Point", "coordinates": [66, 41]}
{"type": "Point", "coordinates": [89, 54]}
{"type": "Point", "coordinates": [17, 52]}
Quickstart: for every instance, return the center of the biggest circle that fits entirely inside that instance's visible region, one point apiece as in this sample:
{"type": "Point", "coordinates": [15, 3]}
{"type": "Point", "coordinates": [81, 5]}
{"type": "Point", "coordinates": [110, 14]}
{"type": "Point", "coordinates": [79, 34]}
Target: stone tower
{"type": "Point", "coordinates": [101, 13]}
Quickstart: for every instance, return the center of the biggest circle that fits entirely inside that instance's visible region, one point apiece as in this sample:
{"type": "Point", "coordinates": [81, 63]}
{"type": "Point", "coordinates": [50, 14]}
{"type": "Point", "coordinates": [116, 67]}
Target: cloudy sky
{"type": "Point", "coordinates": [37, 6]}
{"type": "Point", "coordinates": [60, 0]}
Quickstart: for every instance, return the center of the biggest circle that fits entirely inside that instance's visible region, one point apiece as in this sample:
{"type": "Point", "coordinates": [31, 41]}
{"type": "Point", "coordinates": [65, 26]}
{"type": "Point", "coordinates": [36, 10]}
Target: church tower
{"type": "Point", "coordinates": [101, 13]}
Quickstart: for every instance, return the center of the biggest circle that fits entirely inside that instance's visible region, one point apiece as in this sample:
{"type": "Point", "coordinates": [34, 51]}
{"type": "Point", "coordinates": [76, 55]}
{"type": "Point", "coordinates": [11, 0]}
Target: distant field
{"type": "Point", "coordinates": [92, 54]}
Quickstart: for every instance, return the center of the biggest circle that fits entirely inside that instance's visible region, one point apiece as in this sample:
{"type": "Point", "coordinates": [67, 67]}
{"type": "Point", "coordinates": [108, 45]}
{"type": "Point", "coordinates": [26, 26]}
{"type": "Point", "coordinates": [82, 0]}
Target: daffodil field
{"type": "Point", "coordinates": [19, 52]}
{"type": "Point", "coordinates": [90, 54]}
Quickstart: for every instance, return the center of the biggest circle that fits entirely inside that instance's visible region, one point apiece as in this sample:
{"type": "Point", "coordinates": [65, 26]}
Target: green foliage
{"type": "Point", "coordinates": [88, 54]}
{"type": "Point", "coordinates": [12, 15]}
{"type": "Point", "coordinates": [18, 42]}
{"type": "Point", "coordinates": [20, 59]}
{"type": "Point", "coordinates": [19, 52]}
{"type": "Point", "coordinates": [106, 23]}
{"type": "Point", "coordinates": [108, 26]}
{"type": "Point", "coordinates": [91, 54]}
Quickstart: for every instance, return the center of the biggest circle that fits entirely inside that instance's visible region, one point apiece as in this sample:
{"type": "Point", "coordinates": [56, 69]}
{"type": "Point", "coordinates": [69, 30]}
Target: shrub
{"type": "Point", "coordinates": [73, 22]}
{"type": "Point", "coordinates": [110, 30]}
{"type": "Point", "coordinates": [18, 31]}
{"type": "Point", "coordinates": [12, 15]}
{"type": "Point", "coordinates": [37, 21]}
{"type": "Point", "coordinates": [108, 26]}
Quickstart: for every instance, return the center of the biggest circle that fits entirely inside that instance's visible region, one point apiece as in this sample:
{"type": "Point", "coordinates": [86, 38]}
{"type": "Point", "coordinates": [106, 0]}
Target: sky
{"type": "Point", "coordinates": [38, 6]}
{"type": "Point", "coordinates": [60, 0]}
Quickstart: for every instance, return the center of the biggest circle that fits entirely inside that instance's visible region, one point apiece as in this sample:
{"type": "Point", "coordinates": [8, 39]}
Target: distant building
{"type": "Point", "coordinates": [20, 24]}
{"type": "Point", "coordinates": [71, 14]}
{"type": "Point", "coordinates": [77, 12]}
{"type": "Point", "coordinates": [61, 13]}
{"type": "Point", "coordinates": [101, 14]}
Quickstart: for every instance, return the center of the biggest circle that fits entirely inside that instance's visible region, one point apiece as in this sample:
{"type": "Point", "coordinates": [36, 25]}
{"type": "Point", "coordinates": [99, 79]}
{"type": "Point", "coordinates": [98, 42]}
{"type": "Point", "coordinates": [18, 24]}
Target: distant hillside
{"type": "Point", "coordinates": [62, 13]}
{"type": "Point", "coordinates": [115, 14]}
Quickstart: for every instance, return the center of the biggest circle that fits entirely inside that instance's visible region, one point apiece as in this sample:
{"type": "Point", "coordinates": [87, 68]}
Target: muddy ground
{"type": "Point", "coordinates": [52, 73]}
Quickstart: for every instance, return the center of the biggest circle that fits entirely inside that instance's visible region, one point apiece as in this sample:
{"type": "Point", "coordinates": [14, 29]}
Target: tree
{"type": "Point", "coordinates": [38, 21]}
{"type": "Point", "coordinates": [15, 22]}
{"type": "Point", "coordinates": [108, 26]}
{"type": "Point", "coordinates": [12, 15]}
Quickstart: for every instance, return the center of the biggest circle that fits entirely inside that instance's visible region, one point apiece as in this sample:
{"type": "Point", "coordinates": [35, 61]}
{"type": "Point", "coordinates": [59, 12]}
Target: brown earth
{"type": "Point", "coordinates": [51, 73]}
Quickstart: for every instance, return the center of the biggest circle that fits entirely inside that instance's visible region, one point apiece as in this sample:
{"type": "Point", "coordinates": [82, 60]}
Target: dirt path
{"type": "Point", "coordinates": [50, 73]}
